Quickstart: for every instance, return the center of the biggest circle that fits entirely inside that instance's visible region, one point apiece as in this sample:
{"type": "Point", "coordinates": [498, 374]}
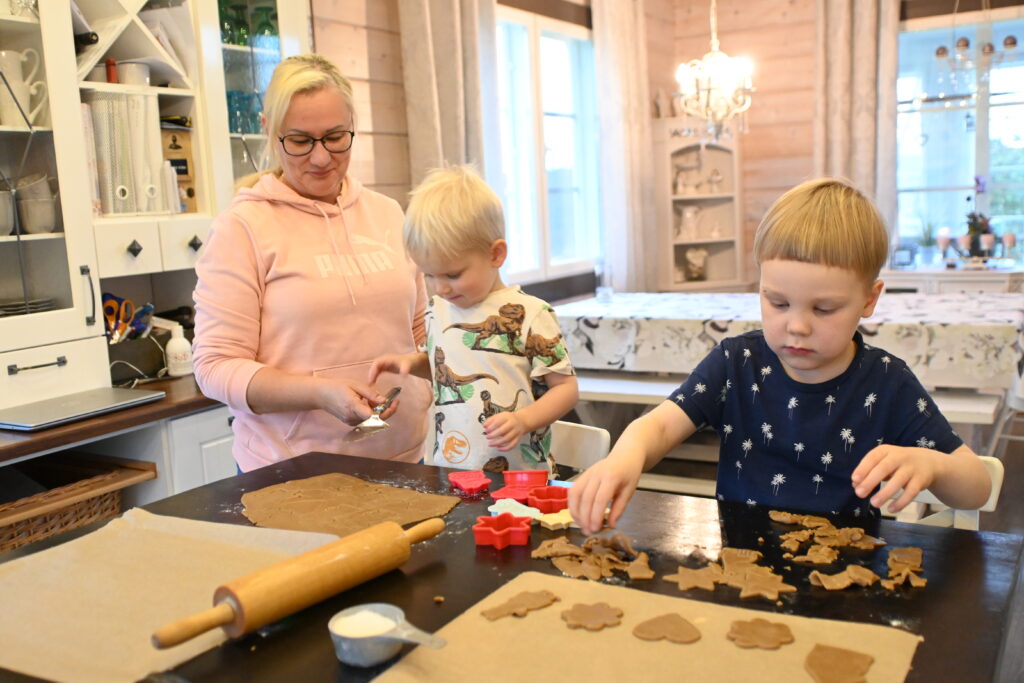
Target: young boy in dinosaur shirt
{"type": "Point", "coordinates": [495, 355]}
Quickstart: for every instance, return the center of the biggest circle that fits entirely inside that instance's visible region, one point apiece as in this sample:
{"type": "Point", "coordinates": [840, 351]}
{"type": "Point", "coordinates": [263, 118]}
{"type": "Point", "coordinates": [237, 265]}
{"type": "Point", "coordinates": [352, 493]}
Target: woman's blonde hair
{"type": "Point", "coordinates": [300, 74]}
{"type": "Point", "coordinates": [825, 221]}
{"type": "Point", "coordinates": [451, 212]}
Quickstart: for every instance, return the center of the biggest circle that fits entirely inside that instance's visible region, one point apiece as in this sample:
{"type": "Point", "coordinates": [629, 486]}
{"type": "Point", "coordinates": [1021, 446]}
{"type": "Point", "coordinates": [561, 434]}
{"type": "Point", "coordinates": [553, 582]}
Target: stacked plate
{"type": "Point", "coordinates": [23, 306]}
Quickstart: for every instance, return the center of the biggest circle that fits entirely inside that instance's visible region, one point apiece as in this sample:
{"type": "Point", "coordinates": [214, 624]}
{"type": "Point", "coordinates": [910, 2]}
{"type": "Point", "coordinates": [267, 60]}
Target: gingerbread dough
{"type": "Point", "coordinates": [853, 574]}
{"type": "Point", "coordinates": [592, 617]}
{"type": "Point", "coordinates": [904, 566]}
{"type": "Point", "coordinates": [339, 504]}
{"type": "Point", "coordinates": [672, 627]}
{"type": "Point", "coordinates": [828, 664]}
{"type": "Point", "coordinates": [819, 554]}
{"type": "Point", "coordinates": [520, 604]}
{"type": "Point", "coordinates": [640, 568]}
{"type": "Point", "coordinates": [705, 577]}
{"type": "Point", "coordinates": [759, 633]}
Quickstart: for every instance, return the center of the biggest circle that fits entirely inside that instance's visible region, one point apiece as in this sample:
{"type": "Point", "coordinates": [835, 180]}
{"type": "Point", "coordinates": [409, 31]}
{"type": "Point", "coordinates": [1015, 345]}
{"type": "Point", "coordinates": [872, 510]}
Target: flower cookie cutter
{"type": "Point", "coordinates": [504, 530]}
{"type": "Point", "coordinates": [470, 481]}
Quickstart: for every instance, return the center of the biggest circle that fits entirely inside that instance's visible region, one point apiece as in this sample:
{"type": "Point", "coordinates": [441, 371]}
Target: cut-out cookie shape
{"type": "Point", "coordinates": [672, 627]}
{"type": "Point", "coordinates": [640, 568]}
{"type": "Point", "coordinates": [828, 664]}
{"type": "Point", "coordinates": [470, 481]}
{"type": "Point", "coordinates": [819, 554]}
{"type": "Point", "coordinates": [705, 577]}
{"type": "Point", "coordinates": [592, 617]}
{"type": "Point", "coordinates": [759, 633]}
{"type": "Point", "coordinates": [557, 520]}
{"type": "Point", "coordinates": [520, 604]}
{"type": "Point", "coordinates": [766, 585]}
{"type": "Point", "coordinates": [513, 507]}
{"type": "Point", "coordinates": [556, 547]}
{"type": "Point", "coordinates": [548, 499]}
{"type": "Point", "coordinates": [502, 531]}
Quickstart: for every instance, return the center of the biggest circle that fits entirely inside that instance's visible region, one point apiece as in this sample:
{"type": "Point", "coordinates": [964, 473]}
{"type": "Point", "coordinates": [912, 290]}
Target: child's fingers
{"type": "Point", "coordinates": [618, 507]}
{"type": "Point", "coordinates": [896, 482]}
{"type": "Point", "coordinates": [872, 478]}
{"type": "Point", "coordinates": [868, 462]}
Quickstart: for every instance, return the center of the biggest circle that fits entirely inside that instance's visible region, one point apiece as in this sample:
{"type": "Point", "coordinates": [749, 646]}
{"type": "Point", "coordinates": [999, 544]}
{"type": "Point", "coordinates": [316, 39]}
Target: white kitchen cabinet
{"type": "Point", "coordinates": [200, 448]}
{"type": "Point", "coordinates": [943, 281]}
{"type": "Point", "coordinates": [697, 190]}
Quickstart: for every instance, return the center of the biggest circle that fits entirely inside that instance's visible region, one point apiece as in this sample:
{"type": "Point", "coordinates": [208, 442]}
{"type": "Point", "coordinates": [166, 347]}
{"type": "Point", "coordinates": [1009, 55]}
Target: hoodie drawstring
{"type": "Point", "coordinates": [348, 238]}
{"type": "Point", "coordinates": [337, 253]}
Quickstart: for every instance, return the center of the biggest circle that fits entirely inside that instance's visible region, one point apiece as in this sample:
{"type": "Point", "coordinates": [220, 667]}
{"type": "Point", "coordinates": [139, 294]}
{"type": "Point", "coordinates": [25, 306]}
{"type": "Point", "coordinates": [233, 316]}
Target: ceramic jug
{"type": "Point", "coordinates": [22, 85]}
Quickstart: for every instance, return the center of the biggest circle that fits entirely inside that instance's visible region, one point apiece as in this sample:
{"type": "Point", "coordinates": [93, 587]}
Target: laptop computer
{"type": "Point", "coordinates": [30, 417]}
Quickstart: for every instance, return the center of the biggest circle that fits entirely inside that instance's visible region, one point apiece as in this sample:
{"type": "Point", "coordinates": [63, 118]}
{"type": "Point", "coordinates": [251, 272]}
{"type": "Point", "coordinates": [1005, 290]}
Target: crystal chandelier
{"type": "Point", "coordinates": [969, 67]}
{"type": "Point", "coordinates": [716, 87]}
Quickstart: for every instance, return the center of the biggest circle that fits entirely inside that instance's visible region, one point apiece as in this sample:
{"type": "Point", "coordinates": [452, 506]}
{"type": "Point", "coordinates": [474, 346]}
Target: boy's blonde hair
{"type": "Point", "coordinates": [299, 74]}
{"type": "Point", "coordinates": [825, 221]}
{"type": "Point", "coordinates": [451, 212]}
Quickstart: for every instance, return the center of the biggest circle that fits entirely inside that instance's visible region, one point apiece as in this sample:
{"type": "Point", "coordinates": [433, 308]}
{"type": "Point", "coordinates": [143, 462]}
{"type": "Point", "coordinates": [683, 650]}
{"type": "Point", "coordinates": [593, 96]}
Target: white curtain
{"type": "Point", "coordinates": [627, 201]}
{"type": "Point", "coordinates": [855, 118]}
{"type": "Point", "coordinates": [449, 66]}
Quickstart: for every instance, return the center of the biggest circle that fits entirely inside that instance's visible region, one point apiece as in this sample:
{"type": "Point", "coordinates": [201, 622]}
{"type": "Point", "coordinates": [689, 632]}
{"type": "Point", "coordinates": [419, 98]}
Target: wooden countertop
{"type": "Point", "coordinates": [183, 396]}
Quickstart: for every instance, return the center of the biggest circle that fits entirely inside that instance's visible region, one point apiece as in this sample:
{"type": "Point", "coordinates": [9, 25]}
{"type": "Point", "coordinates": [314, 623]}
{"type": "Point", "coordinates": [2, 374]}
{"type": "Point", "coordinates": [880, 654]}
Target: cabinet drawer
{"type": "Point", "coordinates": [201, 448]}
{"type": "Point", "coordinates": [973, 286]}
{"type": "Point", "coordinates": [182, 241]}
{"type": "Point", "coordinates": [84, 366]}
{"type": "Point", "coordinates": [115, 243]}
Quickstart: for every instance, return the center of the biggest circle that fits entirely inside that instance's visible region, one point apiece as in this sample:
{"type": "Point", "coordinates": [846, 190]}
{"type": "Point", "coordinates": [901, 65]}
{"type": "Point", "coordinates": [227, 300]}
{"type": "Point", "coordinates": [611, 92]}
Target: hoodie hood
{"type": "Point", "coordinates": [270, 187]}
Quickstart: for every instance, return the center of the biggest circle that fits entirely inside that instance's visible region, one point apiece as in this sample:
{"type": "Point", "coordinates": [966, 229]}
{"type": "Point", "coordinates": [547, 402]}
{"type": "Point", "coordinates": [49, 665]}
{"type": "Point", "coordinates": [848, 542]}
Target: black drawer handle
{"type": "Point", "coordinates": [195, 243]}
{"type": "Point", "coordinates": [135, 248]}
{"type": "Point", "coordinates": [91, 318]}
{"type": "Point", "coordinates": [14, 369]}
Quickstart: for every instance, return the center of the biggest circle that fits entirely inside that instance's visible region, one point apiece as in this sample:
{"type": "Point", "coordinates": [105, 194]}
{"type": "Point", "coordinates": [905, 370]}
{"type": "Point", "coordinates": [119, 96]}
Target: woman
{"type": "Point", "coordinates": [303, 283]}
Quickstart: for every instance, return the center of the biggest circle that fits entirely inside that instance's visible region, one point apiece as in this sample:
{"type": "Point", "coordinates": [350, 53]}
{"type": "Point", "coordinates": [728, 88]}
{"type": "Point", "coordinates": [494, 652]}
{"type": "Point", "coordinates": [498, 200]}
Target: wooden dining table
{"type": "Point", "coordinates": [968, 613]}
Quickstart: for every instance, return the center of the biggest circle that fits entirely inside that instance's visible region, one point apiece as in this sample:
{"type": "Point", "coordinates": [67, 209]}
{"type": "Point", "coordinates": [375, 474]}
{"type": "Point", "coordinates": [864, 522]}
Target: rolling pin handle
{"type": "Point", "coordinates": [424, 530]}
{"type": "Point", "coordinates": [179, 631]}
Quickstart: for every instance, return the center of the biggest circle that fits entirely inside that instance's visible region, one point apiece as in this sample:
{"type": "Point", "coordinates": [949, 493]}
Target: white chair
{"type": "Point", "coordinates": [578, 446]}
{"type": "Point", "coordinates": [959, 519]}
{"type": "Point", "coordinates": [1004, 430]}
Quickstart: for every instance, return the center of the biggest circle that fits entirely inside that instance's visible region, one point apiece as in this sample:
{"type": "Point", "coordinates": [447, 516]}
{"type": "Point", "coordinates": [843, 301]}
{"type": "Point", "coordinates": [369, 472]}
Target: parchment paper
{"type": "Point", "coordinates": [85, 610]}
{"type": "Point", "coordinates": [339, 504]}
{"type": "Point", "coordinates": [540, 647]}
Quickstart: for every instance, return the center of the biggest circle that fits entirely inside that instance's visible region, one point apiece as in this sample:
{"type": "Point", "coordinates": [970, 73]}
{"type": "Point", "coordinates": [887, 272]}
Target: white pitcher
{"type": "Point", "coordinates": [22, 85]}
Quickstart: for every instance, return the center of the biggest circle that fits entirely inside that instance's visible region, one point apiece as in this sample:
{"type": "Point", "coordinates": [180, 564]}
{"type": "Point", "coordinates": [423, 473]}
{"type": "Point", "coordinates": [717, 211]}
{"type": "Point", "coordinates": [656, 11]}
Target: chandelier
{"type": "Point", "coordinates": [967, 68]}
{"type": "Point", "coordinates": [716, 87]}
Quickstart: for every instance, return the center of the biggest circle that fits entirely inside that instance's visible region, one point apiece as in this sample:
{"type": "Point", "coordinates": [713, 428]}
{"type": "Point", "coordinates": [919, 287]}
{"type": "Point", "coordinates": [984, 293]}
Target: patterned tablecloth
{"type": "Point", "coordinates": [949, 340]}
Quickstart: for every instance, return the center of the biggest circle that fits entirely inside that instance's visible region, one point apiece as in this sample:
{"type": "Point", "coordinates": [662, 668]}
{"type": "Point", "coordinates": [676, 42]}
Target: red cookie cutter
{"type": "Point", "coordinates": [548, 499]}
{"type": "Point", "coordinates": [513, 492]}
{"type": "Point", "coordinates": [525, 479]}
{"type": "Point", "coordinates": [504, 530]}
{"type": "Point", "coordinates": [470, 481]}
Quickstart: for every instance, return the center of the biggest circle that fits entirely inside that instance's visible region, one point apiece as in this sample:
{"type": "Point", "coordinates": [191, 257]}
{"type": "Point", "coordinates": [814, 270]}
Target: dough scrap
{"type": "Point", "coordinates": [598, 557]}
{"type": "Point", "coordinates": [759, 633]}
{"type": "Point", "coordinates": [496, 465]}
{"type": "Point", "coordinates": [819, 554]}
{"type": "Point", "coordinates": [672, 627]}
{"type": "Point", "coordinates": [853, 574]}
{"type": "Point", "coordinates": [827, 664]}
{"type": "Point", "coordinates": [592, 617]}
{"type": "Point", "coordinates": [519, 605]}
{"type": "Point", "coordinates": [640, 568]}
{"type": "Point", "coordinates": [556, 547]}
{"type": "Point", "coordinates": [339, 504]}
{"type": "Point", "coordinates": [904, 566]}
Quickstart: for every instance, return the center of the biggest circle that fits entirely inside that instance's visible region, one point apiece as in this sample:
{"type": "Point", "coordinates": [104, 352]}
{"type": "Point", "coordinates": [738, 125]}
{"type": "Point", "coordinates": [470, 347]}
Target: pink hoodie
{"type": "Point", "coordinates": [308, 288]}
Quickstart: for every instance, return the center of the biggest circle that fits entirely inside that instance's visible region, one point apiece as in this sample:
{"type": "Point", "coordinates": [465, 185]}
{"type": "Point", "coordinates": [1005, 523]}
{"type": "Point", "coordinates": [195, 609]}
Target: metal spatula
{"type": "Point", "coordinates": [373, 424]}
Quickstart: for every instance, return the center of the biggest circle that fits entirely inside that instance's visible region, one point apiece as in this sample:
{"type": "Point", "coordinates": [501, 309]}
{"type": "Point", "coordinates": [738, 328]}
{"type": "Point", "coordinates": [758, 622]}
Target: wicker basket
{"type": "Point", "coordinates": [93, 494]}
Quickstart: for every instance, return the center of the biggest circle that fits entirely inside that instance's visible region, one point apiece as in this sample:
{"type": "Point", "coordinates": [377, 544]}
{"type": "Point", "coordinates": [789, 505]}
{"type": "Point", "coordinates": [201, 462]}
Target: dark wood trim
{"type": "Point", "coordinates": [554, 9]}
{"type": "Point", "coordinates": [567, 287]}
{"type": "Point", "coordinates": [916, 9]}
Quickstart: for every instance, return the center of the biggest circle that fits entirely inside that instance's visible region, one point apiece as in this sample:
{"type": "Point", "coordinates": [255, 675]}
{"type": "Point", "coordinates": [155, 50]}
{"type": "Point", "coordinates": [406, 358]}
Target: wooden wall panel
{"type": "Point", "coordinates": [778, 35]}
{"type": "Point", "coordinates": [362, 38]}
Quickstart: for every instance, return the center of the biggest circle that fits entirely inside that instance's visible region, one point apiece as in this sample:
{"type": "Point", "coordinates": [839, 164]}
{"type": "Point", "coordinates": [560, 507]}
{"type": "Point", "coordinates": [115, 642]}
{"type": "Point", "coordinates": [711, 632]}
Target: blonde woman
{"type": "Point", "coordinates": [303, 283]}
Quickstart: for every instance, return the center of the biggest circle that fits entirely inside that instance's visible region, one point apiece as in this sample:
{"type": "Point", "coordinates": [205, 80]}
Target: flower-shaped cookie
{"type": "Point", "coordinates": [592, 617]}
{"type": "Point", "coordinates": [759, 633]}
{"type": "Point", "coordinates": [502, 531]}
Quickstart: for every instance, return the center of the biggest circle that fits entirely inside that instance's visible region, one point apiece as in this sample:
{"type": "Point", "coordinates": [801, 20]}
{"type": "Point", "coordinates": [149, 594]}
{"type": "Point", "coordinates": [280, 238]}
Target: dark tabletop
{"type": "Point", "coordinates": [963, 613]}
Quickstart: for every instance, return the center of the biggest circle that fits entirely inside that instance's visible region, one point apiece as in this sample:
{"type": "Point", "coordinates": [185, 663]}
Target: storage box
{"type": "Point", "coordinates": [137, 358]}
{"type": "Point", "coordinates": [82, 488]}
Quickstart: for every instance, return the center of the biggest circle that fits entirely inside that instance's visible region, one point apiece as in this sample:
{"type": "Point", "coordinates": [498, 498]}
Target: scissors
{"type": "Point", "coordinates": [118, 316]}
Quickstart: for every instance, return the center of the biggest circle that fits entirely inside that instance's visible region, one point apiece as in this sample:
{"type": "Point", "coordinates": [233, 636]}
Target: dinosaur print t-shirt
{"type": "Point", "coordinates": [483, 360]}
{"type": "Point", "coordinates": [792, 445]}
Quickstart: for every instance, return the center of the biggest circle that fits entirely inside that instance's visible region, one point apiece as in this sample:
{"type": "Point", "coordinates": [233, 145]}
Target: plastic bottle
{"type": "Point", "coordinates": [179, 353]}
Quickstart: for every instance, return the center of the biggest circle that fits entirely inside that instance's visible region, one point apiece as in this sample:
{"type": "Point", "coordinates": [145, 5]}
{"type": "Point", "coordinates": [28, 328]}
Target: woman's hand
{"type": "Point", "coordinates": [611, 481]}
{"type": "Point", "coordinates": [351, 401]}
{"type": "Point", "coordinates": [504, 431]}
{"type": "Point", "coordinates": [908, 468]}
{"type": "Point", "coordinates": [400, 364]}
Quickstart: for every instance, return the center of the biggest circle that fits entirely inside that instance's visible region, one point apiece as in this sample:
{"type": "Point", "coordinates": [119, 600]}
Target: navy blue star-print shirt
{"type": "Point", "coordinates": [793, 445]}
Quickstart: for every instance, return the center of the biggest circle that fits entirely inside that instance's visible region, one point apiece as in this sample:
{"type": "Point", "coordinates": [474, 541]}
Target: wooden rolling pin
{"type": "Point", "coordinates": [250, 602]}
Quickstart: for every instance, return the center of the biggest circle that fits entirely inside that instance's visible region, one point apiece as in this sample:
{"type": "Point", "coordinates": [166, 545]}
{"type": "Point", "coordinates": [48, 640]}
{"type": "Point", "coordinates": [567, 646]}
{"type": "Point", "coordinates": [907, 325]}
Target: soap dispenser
{"type": "Point", "coordinates": [179, 353]}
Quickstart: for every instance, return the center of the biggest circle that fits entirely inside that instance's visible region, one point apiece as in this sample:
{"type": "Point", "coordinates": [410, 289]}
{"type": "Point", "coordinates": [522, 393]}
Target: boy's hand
{"type": "Point", "coordinates": [504, 431]}
{"type": "Point", "coordinates": [907, 468]}
{"type": "Point", "coordinates": [612, 480]}
{"type": "Point", "coordinates": [399, 363]}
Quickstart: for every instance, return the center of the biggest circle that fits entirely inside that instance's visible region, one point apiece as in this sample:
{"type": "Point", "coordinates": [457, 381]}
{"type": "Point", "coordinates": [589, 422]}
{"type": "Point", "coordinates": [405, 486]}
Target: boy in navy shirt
{"type": "Point", "coordinates": [809, 417]}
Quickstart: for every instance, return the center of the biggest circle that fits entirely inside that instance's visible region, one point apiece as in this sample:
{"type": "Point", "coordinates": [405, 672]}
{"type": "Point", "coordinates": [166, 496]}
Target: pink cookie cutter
{"type": "Point", "coordinates": [504, 530]}
{"type": "Point", "coordinates": [548, 499]}
{"type": "Point", "coordinates": [470, 481]}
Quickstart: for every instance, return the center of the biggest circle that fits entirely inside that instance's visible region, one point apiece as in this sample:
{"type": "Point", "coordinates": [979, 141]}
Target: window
{"type": "Point", "coordinates": [960, 132]}
{"type": "Point", "coordinates": [549, 147]}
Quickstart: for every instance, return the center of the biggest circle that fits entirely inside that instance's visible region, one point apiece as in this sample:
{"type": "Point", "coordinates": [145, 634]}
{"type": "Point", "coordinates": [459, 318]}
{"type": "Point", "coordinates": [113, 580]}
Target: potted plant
{"type": "Point", "coordinates": [926, 243]}
{"type": "Point", "coordinates": [977, 225]}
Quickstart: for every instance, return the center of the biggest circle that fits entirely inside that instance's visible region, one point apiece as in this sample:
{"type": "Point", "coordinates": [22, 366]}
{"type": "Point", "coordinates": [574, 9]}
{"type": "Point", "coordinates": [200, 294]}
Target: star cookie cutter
{"type": "Point", "coordinates": [504, 530]}
{"type": "Point", "coordinates": [548, 498]}
{"type": "Point", "coordinates": [470, 481]}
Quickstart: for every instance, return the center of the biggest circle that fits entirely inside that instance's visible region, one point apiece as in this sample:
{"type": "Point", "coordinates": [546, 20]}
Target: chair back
{"type": "Point", "coordinates": [578, 446]}
{"type": "Point", "coordinates": [964, 519]}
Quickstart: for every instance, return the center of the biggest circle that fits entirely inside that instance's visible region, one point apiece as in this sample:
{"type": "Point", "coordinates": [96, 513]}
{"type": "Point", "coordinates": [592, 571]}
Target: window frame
{"type": "Point", "coordinates": [536, 25]}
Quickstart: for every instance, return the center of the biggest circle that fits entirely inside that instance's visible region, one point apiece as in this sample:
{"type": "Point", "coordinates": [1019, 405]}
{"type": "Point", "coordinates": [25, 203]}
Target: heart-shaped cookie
{"type": "Point", "coordinates": [672, 627]}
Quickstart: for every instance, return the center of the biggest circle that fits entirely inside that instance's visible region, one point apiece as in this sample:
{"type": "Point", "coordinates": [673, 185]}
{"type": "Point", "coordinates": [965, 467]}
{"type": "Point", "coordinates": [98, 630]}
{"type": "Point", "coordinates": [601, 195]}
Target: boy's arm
{"type": "Point", "coordinates": [613, 480]}
{"type": "Point", "coordinates": [504, 430]}
{"type": "Point", "coordinates": [958, 479]}
{"type": "Point", "coordinates": [401, 363]}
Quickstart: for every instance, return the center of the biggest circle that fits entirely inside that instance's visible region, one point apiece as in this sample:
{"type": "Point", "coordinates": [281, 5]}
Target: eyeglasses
{"type": "Point", "coordinates": [301, 145]}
